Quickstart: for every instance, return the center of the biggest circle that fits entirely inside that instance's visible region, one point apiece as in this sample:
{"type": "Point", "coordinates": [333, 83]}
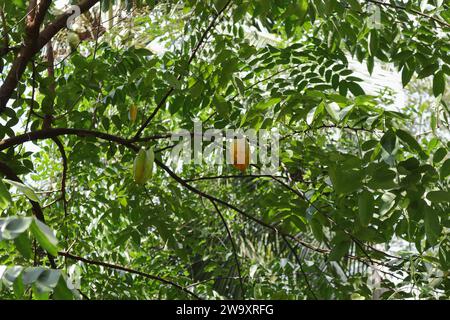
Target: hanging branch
{"type": "Point", "coordinates": [48, 120]}
{"type": "Point", "coordinates": [34, 42]}
{"type": "Point", "coordinates": [33, 96]}
{"type": "Point", "coordinates": [233, 244]}
{"type": "Point", "coordinates": [55, 132]}
{"type": "Point", "coordinates": [398, 7]}
{"type": "Point", "coordinates": [4, 48]}
{"type": "Point", "coordinates": [299, 262]}
{"type": "Point", "coordinates": [64, 174]}
{"type": "Point", "coordinates": [125, 269]}
{"type": "Point", "coordinates": [354, 239]}
{"type": "Point", "coordinates": [236, 209]}
{"type": "Point", "coordinates": [247, 176]}
{"type": "Point", "coordinates": [46, 134]}
{"type": "Point", "coordinates": [35, 17]}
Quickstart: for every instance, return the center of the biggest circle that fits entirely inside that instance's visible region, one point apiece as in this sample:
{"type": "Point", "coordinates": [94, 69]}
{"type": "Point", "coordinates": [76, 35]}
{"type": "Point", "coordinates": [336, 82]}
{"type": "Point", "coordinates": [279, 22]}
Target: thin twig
{"type": "Point", "coordinates": [397, 7]}
{"type": "Point", "coordinates": [299, 262]}
{"type": "Point", "coordinates": [233, 245]}
{"type": "Point", "coordinates": [64, 173]}
{"type": "Point", "coordinates": [118, 267]}
{"type": "Point", "coordinates": [251, 176]}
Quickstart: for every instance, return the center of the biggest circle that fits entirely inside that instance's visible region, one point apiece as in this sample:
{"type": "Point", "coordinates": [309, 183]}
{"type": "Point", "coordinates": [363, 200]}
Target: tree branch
{"type": "Point", "coordinates": [64, 173]}
{"type": "Point", "coordinates": [117, 267]}
{"type": "Point", "coordinates": [233, 244]}
{"type": "Point", "coordinates": [55, 132]}
{"type": "Point", "coordinates": [236, 209]}
{"type": "Point", "coordinates": [324, 126]}
{"type": "Point", "coordinates": [299, 262]}
{"type": "Point", "coordinates": [248, 176]}
{"type": "Point", "coordinates": [354, 239]}
{"type": "Point", "coordinates": [4, 47]}
{"type": "Point", "coordinates": [51, 133]}
{"type": "Point", "coordinates": [397, 7]}
{"type": "Point", "coordinates": [34, 42]}
{"type": "Point", "coordinates": [46, 134]}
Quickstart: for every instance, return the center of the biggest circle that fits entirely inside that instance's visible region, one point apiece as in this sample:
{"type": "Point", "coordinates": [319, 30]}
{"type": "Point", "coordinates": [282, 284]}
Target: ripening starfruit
{"type": "Point", "coordinates": [143, 166]}
{"type": "Point", "coordinates": [240, 151]}
{"type": "Point", "coordinates": [132, 114]}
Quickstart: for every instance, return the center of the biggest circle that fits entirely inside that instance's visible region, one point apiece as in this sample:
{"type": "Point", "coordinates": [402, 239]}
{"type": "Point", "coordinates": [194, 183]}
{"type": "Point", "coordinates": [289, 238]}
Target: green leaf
{"type": "Point", "coordinates": [19, 288]}
{"type": "Point", "coordinates": [61, 291]}
{"type": "Point", "coordinates": [370, 64]}
{"type": "Point", "coordinates": [177, 104]}
{"type": "Point", "coordinates": [355, 5]}
{"type": "Point", "coordinates": [302, 10]}
{"type": "Point", "coordinates": [264, 105]}
{"type": "Point", "coordinates": [105, 5]}
{"type": "Point", "coordinates": [5, 197]}
{"type": "Point", "coordinates": [197, 89]}
{"type": "Point", "coordinates": [239, 85]}
{"type": "Point", "coordinates": [223, 107]}
{"type": "Point", "coordinates": [30, 275]}
{"type": "Point", "coordinates": [27, 191]}
{"type": "Point", "coordinates": [355, 89]}
{"type": "Point", "coordinates": [439, 155]}
{"type": "Point", "coordinates": [438, 196]}
{"type": "Point", "coordinates": [388, 141]}
{"type": "Point", "coordinates": [333, 111]}
{"type": "Point", "coordinates": [339, 251]}
{"type": "Point", "coordinates": [23, 244]}
{"type": "Point", "coordinates": [407, 74]}
{"type": "Point", "coordinates": [388, 201]}
{"type": "Point", "coordinates": [316, 228]}
{"type": "Point", "coordinates": [357, 296]}
{"type": "Point", "coordinates": [366, 207]}
{"type": "Point", "coordinates": [382, 178]}
{"type": "Point", "coordinates": [445, 169]}
{"type": "Point", "coordinates": [432, 225]}
{"type": "Point", "coordinates": [410, 141]}
{"type": "Point", "coordinates": [172, 81]}
{"type": "Point", "coordinates": [439, 83]}
{"type": "Point", "coordinates": [428, 71]}
{"type": "Point", "coordinates": [12, 227]}
{"type": "Point", "coordinates": [220, 4]}
{"type": "Point", "coordinates": [39, 293]}
{"type": "Point", "coordinates": [433, 122]}
{"type": "Point", "coordinates": [373, 42]}
{"type": "Point", "coordinates": [45, 237]}
{"type": "Point", "coordinates": [345, 181]}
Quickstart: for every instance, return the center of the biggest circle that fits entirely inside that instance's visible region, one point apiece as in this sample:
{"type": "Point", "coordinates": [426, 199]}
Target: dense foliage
{"type": "Point", "coordinates": [358, 208]}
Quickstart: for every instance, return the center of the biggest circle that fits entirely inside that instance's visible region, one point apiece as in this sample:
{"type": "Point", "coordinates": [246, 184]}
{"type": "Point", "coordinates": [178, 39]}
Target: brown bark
{"type": "Point", "coordinates": [48, 117]}
{"type": "Point", "coordinates": [4, 47]}
{"type": "Point", "coordinates": [33, 43]}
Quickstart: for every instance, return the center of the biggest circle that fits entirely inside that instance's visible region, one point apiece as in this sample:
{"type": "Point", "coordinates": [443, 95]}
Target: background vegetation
{"type": "Point", "coordinates": [359, 208]}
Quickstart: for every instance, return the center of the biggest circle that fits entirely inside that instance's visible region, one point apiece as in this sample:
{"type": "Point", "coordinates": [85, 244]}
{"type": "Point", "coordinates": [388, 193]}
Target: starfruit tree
{"type": "Point", "coordinates": [92, 206]}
